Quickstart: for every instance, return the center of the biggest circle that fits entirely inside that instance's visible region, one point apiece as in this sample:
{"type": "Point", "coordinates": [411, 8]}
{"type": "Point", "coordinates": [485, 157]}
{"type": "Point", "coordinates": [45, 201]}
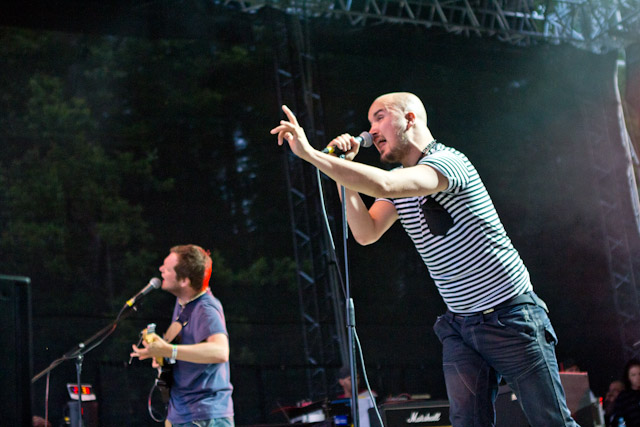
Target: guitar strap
{"type": "Point", "coordinates": [164, 382]}
{"type": "Point", "coordinates": [181, 321]}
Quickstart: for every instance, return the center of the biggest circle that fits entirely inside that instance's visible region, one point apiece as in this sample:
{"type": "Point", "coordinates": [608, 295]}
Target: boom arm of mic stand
{"type": "Point", "coordinates": [83, 348]}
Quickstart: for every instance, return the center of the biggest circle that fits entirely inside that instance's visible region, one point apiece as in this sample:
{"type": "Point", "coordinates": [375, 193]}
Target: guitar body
{"type": "Point", "coordinates": [165, 380]}
{"type": "Point", "coordinates": [158, 408]}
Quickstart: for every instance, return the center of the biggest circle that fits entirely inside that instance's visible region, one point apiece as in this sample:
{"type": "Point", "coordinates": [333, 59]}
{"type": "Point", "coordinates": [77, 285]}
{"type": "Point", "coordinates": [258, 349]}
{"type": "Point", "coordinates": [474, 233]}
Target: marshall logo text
{"type": "Point", "coordinates": [415, 417]}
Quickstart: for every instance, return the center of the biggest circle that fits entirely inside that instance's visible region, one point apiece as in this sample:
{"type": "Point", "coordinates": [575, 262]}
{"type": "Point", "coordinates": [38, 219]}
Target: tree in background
{"type": "Point", "coordinates": [66, 222]}
{"type": "Point", "coordinates": [116, 148]}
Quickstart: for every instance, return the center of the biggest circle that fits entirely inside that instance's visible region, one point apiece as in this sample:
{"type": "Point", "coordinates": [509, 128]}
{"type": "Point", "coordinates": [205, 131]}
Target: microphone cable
{"type": "Point", "coordinates": [334, 261]}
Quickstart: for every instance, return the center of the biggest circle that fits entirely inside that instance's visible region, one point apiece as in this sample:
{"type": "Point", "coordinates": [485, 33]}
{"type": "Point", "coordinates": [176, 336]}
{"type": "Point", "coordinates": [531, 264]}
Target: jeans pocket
{"type": "Point", "coordinates": [519, 320]}
{"type": "Point", "coordinates": [549, 332]}
{"type": "Point", "coordinates": [442, 328]}
{"type": "Point", "coordinates": [543, 323]}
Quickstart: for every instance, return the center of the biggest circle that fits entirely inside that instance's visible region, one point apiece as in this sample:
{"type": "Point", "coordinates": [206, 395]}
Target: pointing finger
{"type": "Point", "coordinates": [290, 115]}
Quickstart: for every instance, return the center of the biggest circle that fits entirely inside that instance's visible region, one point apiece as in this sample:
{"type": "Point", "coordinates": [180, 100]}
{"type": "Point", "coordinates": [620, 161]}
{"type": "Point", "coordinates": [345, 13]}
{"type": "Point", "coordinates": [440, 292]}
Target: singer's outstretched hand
{"type": "Point", "coordinates": [294, 134]}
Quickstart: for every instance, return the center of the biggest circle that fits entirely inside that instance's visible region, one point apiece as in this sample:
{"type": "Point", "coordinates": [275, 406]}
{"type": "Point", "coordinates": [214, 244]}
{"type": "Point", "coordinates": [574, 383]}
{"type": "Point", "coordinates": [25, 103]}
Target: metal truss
{"type": "Point", "coordinates": [317, 273]}
{"type": "Point", "coordinates": [596, 25]}
{"type": "Point", "coordinates": [616, 189]}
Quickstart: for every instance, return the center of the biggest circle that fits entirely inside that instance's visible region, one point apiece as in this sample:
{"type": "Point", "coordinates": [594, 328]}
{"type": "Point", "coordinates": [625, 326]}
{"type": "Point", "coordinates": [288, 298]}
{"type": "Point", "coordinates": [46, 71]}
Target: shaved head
{"type": "Point", "coordinates": [404, 102]}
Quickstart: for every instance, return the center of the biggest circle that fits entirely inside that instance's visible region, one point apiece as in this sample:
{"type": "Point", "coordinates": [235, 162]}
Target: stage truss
{"type": "Point", "coordinates": [595, 25]}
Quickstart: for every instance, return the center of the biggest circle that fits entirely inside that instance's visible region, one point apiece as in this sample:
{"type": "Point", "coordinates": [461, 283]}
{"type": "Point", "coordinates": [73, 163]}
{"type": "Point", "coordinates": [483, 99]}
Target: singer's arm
{"type": "Point", "coordinates": [367, 225]}
{"type": "Point", "coordinates": [405, 182]}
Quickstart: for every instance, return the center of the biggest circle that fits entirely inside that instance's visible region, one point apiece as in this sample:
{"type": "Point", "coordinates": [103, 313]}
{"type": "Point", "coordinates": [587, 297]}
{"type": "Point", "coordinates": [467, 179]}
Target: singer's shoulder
{"type": "Point", "coordinates": [209, 300]}
{"type": "Point", "coordinates": [441, 151]}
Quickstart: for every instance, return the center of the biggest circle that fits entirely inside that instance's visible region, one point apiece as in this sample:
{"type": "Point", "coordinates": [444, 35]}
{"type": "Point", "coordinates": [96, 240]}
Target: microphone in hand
{"type": "Point", "coordinates": [365, 139]}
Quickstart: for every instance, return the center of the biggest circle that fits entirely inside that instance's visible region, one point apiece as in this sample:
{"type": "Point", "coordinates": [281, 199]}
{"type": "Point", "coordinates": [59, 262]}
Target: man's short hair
{"type": "Point", "coordinates": [195, 264]}
{"type": "Point", "coordinates": [344, 372]}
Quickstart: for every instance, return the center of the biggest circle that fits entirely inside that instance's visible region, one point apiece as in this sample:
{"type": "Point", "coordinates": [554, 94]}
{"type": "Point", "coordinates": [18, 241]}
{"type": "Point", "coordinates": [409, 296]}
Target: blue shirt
{"type": "Point", "coordinates": [201, 391]}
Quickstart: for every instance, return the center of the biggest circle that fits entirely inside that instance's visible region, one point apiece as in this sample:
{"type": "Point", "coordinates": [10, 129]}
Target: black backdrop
{"type": "Point", "coordinates": [524, 116]}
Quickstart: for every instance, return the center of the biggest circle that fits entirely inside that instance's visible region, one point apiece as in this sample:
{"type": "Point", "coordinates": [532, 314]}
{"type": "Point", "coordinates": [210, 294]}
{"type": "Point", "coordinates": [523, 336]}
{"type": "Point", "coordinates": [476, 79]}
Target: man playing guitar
{"type": "Point", "coordinates": [196, 343]}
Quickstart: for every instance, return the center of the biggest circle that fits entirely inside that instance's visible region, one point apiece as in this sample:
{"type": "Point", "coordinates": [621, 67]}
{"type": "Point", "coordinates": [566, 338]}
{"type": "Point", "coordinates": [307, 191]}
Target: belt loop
{"type": "Point", "coordinates": [448, 315]}
{"type": "Point", "coordinates": [539, 302]}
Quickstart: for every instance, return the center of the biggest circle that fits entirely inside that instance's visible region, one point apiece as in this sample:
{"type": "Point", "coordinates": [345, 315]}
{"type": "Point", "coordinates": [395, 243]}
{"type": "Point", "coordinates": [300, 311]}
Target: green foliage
{"type": "Point", "coordinates": [262, 295]}
{"type": "Point", "coordinates": [66, 220]}
{"type": "Point", "coordinates": [115, 149]}
{"type": "Point", "coordinates": [259, 282]}
{"type": "Point", "coordinates": [52, 117]}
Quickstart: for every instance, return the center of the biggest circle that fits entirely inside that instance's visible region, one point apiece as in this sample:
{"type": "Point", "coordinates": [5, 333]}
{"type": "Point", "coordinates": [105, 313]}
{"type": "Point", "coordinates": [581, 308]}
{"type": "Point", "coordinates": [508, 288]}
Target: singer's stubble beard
{"type": "Point", "coordinates": [397, 151]}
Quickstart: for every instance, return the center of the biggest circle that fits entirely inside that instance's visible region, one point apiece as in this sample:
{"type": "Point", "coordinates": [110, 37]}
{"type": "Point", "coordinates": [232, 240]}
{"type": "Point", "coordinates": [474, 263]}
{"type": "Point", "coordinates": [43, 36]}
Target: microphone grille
{"type": "Point", "coordinates": [156, 283]}
{"type": "Point", "coordinates": [367, 139]}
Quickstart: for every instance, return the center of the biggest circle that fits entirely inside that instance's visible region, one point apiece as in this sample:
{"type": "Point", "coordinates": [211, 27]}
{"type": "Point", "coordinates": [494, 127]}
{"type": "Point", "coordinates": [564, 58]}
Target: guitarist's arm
{"type": "Point", "coordinates": [215, 349]}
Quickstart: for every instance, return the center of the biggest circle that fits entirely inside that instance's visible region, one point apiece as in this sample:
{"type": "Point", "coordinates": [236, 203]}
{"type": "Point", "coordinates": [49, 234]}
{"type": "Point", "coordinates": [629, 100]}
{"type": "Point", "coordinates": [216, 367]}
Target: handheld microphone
{"type": "Point", "coordinates": [365, 139]}
{"type": "Point", "coordinates": [154, 283]}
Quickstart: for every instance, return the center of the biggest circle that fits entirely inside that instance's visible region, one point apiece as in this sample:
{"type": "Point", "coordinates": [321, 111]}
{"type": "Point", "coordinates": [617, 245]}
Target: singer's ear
{"type": "Point", "coordinates": [185, 283]}
{"type": "Point", "coordinates": [411, 119]}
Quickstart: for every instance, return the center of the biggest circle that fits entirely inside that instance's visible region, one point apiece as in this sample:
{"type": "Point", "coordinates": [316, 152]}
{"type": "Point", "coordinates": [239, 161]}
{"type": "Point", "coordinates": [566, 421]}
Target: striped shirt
{"type": "Point", "coordinates": [460, 238]}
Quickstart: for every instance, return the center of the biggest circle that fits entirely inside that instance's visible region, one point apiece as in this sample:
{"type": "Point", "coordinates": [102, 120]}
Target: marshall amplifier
{"type": "Point", "coordinates": [416, 413]}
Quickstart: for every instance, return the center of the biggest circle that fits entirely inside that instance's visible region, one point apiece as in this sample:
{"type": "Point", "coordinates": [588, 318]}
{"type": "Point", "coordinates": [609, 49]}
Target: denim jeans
{"type": "Point", "coordinates": [216, 422]}
{"type": "Point", "coordinates": [516, 343]}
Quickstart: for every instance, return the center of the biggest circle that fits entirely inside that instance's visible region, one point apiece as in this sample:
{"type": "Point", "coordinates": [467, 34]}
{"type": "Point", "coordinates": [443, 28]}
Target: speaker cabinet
{"type": "Point", "coordinates": [416, 413]}
{"type": "Point", "coordinates": [15, 351]}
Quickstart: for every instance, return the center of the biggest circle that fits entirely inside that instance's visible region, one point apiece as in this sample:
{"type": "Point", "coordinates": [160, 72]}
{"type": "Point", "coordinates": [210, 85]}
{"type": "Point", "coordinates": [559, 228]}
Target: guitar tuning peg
{"type": "Point", "coordinates": [151, 329]}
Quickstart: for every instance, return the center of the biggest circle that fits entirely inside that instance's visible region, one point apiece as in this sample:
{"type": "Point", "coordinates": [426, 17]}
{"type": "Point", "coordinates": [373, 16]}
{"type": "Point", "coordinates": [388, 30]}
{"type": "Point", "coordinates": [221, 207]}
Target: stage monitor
{"type": "Point", "coordinates": [15, 351]}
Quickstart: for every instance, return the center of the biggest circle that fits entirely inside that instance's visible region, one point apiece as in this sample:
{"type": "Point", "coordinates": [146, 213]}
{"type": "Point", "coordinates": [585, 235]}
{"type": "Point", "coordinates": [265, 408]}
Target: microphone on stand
{"type": "Point", "coordinates": [365, 139]}
{"type": "Point", "coordinates": [154, 283]}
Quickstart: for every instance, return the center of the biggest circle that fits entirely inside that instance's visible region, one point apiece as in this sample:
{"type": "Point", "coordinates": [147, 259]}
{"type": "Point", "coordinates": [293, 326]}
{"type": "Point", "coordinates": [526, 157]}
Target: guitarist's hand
{"type": "Point", "coordinates": [153, 346]}
{"type": "Point", "coordinates": [142, 353]}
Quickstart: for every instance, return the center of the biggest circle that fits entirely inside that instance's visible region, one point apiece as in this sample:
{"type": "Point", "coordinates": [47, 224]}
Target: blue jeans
{"type": "Point", "coordinates": [517, 343]}
{"type": "Point", "coordinates": [216, 422]}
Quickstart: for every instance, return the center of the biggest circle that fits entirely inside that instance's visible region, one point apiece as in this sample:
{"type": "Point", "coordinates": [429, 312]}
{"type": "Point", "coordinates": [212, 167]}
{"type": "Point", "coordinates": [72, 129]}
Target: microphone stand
{"type": "Point", "coordinates": [83, 348]}
{"type": "Point", "coordinates": [351, 318]}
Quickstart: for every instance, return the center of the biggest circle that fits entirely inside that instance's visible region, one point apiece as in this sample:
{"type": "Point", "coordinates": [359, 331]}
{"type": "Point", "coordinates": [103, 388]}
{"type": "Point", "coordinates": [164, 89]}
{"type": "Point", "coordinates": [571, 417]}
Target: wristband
{"type": "Point", "coordinates": [174, 353]}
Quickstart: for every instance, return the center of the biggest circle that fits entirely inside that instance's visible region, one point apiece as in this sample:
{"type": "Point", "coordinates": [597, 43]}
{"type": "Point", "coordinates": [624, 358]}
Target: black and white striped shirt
{"type": "Point", "coordinates": [460, 238]}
